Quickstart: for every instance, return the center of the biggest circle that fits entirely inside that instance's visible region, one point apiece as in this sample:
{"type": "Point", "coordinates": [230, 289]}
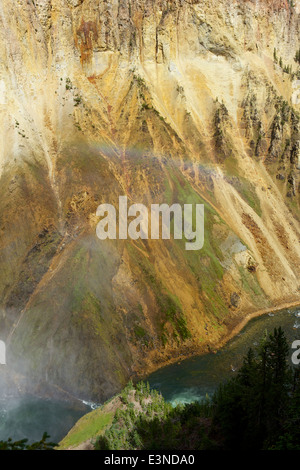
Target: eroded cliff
{"type": "Point", "coordinates": [162, 101]}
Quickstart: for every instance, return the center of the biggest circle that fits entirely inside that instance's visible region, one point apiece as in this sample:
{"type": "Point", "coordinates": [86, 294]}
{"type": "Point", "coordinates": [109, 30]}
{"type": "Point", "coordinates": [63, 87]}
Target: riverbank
{"type": "Point", "coordinates": [197, 378]}
{"type": "Point", "coordinates": [193, 351]}
{"type": "Point", "coordinates": [182, 382]}
{"type": "Point", "coordinates": [237, 329]}
{"type": "Point", "coordinates": [15, 385]}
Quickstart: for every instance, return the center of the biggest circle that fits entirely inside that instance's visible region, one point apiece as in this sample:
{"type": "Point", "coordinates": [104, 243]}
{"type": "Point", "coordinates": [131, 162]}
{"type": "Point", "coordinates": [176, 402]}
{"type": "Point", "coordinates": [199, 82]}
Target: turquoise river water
{"type": "Point", "coordinates": [190, 380]}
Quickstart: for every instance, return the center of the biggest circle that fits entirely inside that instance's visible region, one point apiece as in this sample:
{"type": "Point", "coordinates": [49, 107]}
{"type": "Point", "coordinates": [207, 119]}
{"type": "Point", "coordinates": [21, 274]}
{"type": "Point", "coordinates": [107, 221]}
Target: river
{"type": "Point", "coordinates": [197, 377]}
{"type": "Point", "coordinates": [190, 380]}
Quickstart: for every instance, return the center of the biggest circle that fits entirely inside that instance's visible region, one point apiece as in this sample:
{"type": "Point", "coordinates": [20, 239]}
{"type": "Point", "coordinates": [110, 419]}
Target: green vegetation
{"type": "Point", "coordinates": [203, 266]}
{"type": "Point", "coordinates": [143, 408]}
{"type": "Point", "coordinates": [206, 264]}
{"type": "Point", "coordinates": [280, 62]}
{"type": "Point", "coordinates": [169, 306]}
{"type": "Point", "coordinates": [244, 187]}
{"type": "Point", "coordinates": [88, 427]}
{"type": "Point", "coordinates": [77, 100]}
{"type": "Point", "coordinates": [285, 68]}
{"type": "Point", "coordinates": [69, 85]}
{"type": "Point", "coordinates": [23, 444]}
{"type": "Point", "coordinates": [251, 285]}
{"type": "Point", "coordinates": [78, 126]}
{"type": "Point", "coordinates": [139, 80]}
{"type": "Point", "coordinates": [220, 121]}
{"type": "Point", "coordinates": [258, 409]}
{"type": "Point", "coordinates": [140, 332]}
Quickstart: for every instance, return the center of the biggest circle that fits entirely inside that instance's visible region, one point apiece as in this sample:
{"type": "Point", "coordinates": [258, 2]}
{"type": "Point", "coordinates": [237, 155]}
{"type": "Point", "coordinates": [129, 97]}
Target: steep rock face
{"type": "Point", "coordinates": [162, 101]}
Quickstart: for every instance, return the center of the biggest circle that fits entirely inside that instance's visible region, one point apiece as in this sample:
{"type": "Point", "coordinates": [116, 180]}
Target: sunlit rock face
{"type": "Point", "coordinates": [164, 102]}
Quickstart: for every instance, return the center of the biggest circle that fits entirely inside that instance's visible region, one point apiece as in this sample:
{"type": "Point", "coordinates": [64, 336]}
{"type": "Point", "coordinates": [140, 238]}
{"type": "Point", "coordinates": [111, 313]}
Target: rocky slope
{"type": "Point", "coordinates": [162, 101]}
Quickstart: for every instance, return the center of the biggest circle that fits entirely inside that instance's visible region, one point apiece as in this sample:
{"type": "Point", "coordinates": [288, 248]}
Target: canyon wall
{"type": "Point", "coordinates": [164, 102]}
